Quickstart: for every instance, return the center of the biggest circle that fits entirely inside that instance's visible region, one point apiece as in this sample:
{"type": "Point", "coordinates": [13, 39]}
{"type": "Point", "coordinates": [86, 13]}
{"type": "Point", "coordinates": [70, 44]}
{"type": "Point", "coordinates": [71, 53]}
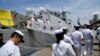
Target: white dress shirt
{"type": "Point", "coordinates": [9, 49]}
{"type": "Point", "coordinates": [76, 37]}
{"type": "Point", "coordinates": [62, 49]}
{"type": "Point", "coordinates": [87, 33]}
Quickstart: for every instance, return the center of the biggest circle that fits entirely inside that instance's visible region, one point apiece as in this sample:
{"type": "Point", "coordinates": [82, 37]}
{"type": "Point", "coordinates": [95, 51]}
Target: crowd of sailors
{"type": "Point", "coordinates": [66, 45]}
{"type": "Point", "coordinates": [72, 45]}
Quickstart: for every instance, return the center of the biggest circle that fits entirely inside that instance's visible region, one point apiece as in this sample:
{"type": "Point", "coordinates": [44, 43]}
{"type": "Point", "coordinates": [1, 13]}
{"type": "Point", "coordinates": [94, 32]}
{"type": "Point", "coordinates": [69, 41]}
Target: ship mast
{"type": "Point", "coordinates": [62, 5]}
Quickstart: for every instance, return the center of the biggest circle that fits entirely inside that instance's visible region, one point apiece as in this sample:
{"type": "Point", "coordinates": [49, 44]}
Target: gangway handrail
{"type": "Point", "coordinates": [42, 26]}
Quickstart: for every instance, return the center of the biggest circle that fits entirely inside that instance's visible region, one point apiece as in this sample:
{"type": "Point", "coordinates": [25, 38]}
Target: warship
{"type": "Point", "coordinates": [38, 27]}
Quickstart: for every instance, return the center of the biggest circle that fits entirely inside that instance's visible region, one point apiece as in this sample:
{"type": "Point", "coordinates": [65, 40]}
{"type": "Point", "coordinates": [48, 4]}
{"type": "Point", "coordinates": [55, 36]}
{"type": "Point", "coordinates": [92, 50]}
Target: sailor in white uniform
{"type": "Point", "coordinates": [88, 38]}
{"type": "Point", "coordinates": [61, 48]}
{"type": "Point", "coordinates": [98, 36]}
{"type": "Point", "coordinates": [77, 38]}
{"type": "Point", "coordinates": [11, 48]}
{"type": "Point", "coordinates": [67, 38]}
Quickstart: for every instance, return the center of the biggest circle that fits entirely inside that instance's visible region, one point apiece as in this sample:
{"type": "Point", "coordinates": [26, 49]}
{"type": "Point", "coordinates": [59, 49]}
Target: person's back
{"type": "Point", "coordinates": [68, 39]}
{"type": "Point", "coordinates": [1, 40]}
{"type": "Point", "coordinates": [62, 49]}
{"type": "Point", "coordinates": [98, 33]}
{"type": "Point", "coordinates": [87, 34]}
{"type": "Point", "coordinates": [88, 38]}
{"type": "Point", "coordinates": [98, 36]}
{"type": "Point", "coordinates": [76, 37]}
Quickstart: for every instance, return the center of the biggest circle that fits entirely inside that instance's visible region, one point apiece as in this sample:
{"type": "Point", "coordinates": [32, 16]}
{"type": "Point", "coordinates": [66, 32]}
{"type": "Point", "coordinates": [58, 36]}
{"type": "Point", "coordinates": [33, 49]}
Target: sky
{"type": "Point", "coordinates": [84, 9]}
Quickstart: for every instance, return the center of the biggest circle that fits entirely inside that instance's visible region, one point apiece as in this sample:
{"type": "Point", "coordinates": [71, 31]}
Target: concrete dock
{"type": "Point", "coordinates": [47, 52]}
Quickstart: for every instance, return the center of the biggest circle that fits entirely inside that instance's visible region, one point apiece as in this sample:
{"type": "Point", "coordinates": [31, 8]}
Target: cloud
{"type": "Point", "coordinates": [96, 12]}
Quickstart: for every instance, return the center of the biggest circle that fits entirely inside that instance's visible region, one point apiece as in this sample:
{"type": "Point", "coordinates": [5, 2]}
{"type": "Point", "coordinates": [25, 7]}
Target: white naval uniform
{"type": "Point", "coordinates": [68, 39]}
{"type": "Point", "coordinates": [98, 31]}
{"type": "Point", "coordinates": [9, 49]}
{"type": "Point", "coordinates": [62, 49]}
{"type": "Point", "coordinates": [87, 33]}
{"type": "Point", "coordinates": [76, 37]}
{"type": "Point", "coordinates": [98, 36]}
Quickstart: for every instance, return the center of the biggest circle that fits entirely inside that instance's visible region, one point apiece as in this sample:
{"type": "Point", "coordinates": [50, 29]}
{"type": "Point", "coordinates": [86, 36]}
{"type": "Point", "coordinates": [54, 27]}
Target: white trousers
{"type": "Point", "coordinates": [89, 47]}
{"type": "Point", "coordinates": [78, 49]}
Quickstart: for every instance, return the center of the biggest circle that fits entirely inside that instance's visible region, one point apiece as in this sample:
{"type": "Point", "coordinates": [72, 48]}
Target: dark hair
{"type": "Point", "coordinates": [87, 26]}
{"type": "Point", "coordinates": [65, 31]}
{"type": "Point", "coordinates": [59, 37]}
{"type": "Point", "coordinates": [77, 27]}
{"type": "Point", "coordinates": [15, 33]}
{"type": "Point", "coordinates": [1, 34]}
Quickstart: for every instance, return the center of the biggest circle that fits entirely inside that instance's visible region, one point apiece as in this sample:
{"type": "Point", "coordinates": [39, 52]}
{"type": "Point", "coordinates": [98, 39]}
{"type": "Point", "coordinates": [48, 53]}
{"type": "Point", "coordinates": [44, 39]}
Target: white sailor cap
{"type": "Point", "coordinates": [59, 31]}
{"type": "Point", "coordinates": [76, 25]}
{"type": "Point", "coordinates": [63, 27]}
{"type": "Point", "coordinates": [21, 34]}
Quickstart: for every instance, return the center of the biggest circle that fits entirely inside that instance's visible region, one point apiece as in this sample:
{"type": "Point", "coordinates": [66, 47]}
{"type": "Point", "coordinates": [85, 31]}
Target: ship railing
{"type": "Point", "coordinates": [42, 26]}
